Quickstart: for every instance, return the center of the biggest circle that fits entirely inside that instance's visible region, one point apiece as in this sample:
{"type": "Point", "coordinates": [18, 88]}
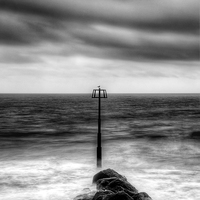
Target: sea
{"type": "Point", "coordinates": [48, 144]}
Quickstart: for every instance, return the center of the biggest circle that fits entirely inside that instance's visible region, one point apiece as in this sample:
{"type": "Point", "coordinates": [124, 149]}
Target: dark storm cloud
{"type": "Point", "coordinates": [73, 21]}
{"type": "Point", "coordinates": [16, 29]}
{"type": "Point", "coordinates": [124, 45]}
{"type": "Point", "coordinates": [153, 15]}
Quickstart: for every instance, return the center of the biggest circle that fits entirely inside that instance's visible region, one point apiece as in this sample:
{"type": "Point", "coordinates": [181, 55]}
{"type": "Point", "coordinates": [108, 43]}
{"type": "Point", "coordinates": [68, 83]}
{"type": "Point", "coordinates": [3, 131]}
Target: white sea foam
{"type": "Point", "coordinates": [63, 173]}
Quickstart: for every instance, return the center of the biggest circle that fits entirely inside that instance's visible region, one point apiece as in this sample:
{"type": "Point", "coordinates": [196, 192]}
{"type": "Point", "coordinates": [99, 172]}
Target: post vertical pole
{"type": "Point", "coordinates": [99, 93]}
{"type": "Point", "coordinates": [99, 162]}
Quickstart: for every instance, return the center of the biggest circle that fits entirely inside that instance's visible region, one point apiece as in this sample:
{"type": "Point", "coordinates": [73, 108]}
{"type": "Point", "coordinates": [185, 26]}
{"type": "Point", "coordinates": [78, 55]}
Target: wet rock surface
{"type": "Point", "coordinates": [108, 173]}
{"type": "Point", "coordinates": [113, 186]}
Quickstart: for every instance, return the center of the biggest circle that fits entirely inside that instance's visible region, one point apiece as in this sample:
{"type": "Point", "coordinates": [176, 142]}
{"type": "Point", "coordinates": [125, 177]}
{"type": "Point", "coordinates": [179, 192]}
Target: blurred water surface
{"type": "Point", "coordinates": [48, 144]}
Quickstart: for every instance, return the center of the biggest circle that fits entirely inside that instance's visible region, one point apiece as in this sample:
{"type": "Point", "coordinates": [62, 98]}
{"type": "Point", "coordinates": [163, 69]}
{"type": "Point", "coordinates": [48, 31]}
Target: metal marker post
{"type": "Point", "coordinates": [99, 93]}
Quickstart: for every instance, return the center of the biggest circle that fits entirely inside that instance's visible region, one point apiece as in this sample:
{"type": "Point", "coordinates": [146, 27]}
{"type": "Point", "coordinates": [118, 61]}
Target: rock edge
{"type": "Point", "coordinates": [113, 186]}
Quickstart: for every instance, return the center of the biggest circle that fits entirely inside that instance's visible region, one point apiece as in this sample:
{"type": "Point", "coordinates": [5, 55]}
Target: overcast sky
{"type": "Point", "coordinates": [65, 46]}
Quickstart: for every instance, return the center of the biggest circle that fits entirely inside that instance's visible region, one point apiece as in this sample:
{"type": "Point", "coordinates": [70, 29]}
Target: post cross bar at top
{"type": "Point", "coordinates": [97, 92]}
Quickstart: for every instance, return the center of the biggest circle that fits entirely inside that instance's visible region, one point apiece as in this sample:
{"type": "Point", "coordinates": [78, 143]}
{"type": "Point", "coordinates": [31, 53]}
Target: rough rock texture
{"type": "Point", "coordinates": [113, 186]}
{"type": "Point", "coordinates": [141, 196]}
{"type": "Point", "coordinates": [102, 195]}
{"type": "Point", "coordinates": [108, 173]}
{"type": "Point", "coordinates": [118, 196]}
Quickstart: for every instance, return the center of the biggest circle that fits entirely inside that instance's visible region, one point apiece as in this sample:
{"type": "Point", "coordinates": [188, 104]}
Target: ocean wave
{"type": "Point", "coordinates": [195, 135]}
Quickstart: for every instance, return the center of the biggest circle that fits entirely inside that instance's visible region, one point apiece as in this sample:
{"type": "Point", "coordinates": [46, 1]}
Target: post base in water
{"type": "Point", "coordinates": [99, 160]}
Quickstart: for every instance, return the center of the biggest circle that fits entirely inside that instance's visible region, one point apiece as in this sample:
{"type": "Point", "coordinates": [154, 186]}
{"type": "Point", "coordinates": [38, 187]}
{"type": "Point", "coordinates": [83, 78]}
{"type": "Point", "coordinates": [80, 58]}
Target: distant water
{"type": "Point", "coordinates": [48, 144]}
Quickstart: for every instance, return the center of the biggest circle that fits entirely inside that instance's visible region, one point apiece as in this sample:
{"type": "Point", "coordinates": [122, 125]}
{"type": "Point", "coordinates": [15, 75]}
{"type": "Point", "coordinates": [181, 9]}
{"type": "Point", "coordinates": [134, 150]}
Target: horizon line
{"type": "Point", "coordinates": [91, 93]}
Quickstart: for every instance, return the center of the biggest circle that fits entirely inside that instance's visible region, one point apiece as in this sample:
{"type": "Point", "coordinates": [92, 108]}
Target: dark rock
{"type": "Point", "coordinates": [102, 184]}
{"type": "Point", "coordinates": [121, 183]}
{"type": "Point", "coordinates": [118, 196]}
{"type": "Point", "coordinates": [115, 185]}
{"type": "Point", "coordinates": [130, 193]}
{"type": "Point", "coordinates": [141, 196]}
{"type": "Point", "coordinates": [108, 173]}
{"type": "Point", "coordinates": [101, 195]}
